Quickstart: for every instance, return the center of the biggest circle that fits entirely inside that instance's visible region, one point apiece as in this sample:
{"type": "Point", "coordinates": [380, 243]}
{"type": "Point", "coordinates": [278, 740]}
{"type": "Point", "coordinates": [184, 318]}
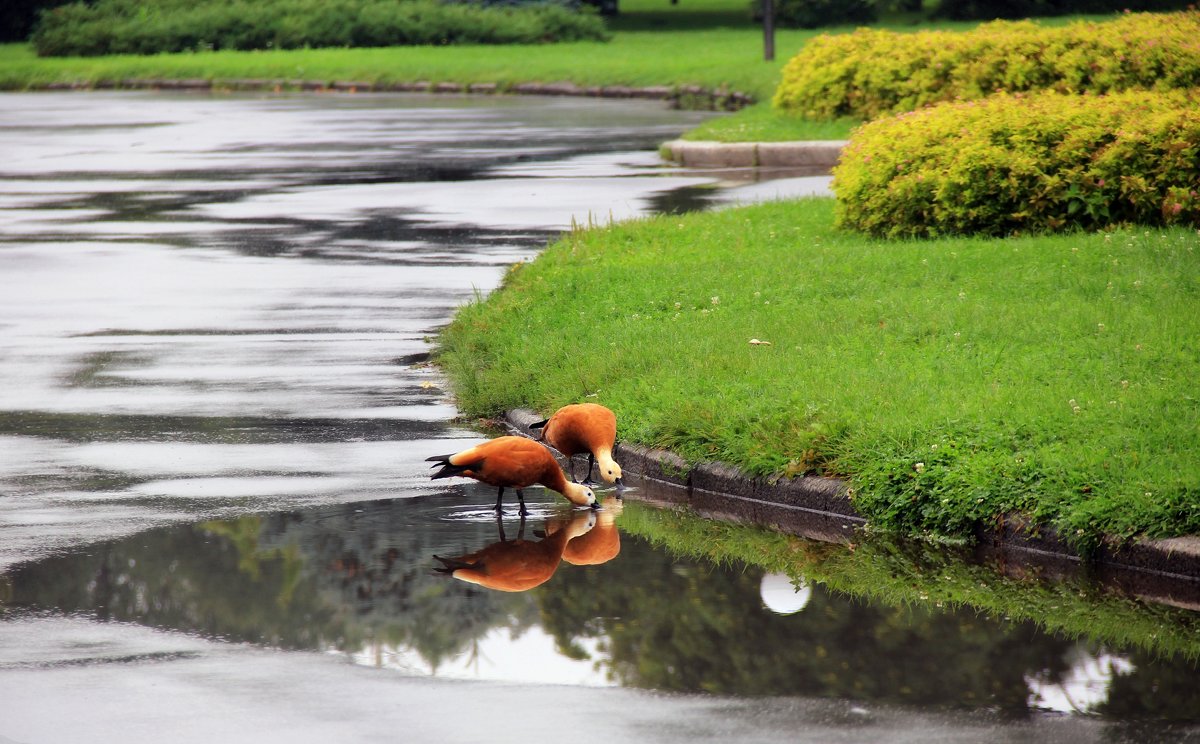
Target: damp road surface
{"type": "Point", "coordinates": [216, 521]}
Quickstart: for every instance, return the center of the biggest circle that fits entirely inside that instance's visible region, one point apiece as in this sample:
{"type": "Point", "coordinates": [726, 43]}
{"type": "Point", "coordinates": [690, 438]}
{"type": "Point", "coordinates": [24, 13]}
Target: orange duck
{"type": "Point", "coordinates": [516, 463]}
{"type": "Point", "coordinates": [517, 565]}
{"type": "Point", "coordinates": [584, 428]}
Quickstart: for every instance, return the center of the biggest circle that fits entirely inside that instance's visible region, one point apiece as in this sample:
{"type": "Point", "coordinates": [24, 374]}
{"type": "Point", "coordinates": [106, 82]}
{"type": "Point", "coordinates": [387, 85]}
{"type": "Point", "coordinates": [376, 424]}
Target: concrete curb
{"type": "Point", "coordinates": [1165, 571]}
{"type": "Point", "coordinates": [802, 154]}
{"type": "Point", "coordinates": [684, 96]}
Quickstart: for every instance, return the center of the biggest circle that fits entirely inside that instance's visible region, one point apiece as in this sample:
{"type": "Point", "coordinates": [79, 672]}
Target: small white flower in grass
{"type": "Point", "coordinates": [933, 446]}
{"type": "Point", "coordinates": [1124, 383]}
{"type": "Point", "coordinates": [716, 300]}
{"type": "Point", "coordinates": [962, 295]}
{"type": "Point", "coordinates": [919, 467]}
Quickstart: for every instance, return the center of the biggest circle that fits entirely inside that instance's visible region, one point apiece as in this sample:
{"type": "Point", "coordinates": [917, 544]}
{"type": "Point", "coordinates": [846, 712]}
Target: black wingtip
{"type": "Point", "coordinates": [450, 565]}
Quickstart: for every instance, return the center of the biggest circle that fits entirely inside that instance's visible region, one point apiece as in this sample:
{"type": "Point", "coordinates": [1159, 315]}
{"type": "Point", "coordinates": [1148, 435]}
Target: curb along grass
{"type": "Point", "coordinates": [949, 383]}
{"type": "Point", "coordinates": [819, 508]}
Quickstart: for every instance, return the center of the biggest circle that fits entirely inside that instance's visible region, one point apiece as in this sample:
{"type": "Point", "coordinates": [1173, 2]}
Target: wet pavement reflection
{"type": "Point", "coordinates": [561, 597]}
{"type": "Point", "coordinates": [213, 489]}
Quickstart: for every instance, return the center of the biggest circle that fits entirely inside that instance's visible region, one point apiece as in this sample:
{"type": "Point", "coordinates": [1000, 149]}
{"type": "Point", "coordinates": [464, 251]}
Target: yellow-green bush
{"type": "Point", "coordinates": [1024, 163]}
{"type": "Point", "coordinates": [871, 72]}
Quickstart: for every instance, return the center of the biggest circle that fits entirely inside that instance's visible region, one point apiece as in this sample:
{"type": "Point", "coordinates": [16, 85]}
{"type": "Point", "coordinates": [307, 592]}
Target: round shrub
{"type": "Point", "coordinates": [1024, 163]}
{"type": "Point", "coordinates": [869, 73]}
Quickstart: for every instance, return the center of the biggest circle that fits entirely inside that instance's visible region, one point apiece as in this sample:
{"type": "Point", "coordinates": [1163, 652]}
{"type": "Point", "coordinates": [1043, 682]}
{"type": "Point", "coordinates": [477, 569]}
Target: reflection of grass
{"type": "Point", "coordinates": [923, 574]}
{"type": "Point", "coordinates": [952, 381]}
{"type": "Point", "coordinates": [243, 534]}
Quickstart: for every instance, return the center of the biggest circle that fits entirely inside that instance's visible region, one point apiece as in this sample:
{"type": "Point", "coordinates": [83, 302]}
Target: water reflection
{"type": "Point", "coordinates": [518, 565]}
{"type": "Point", "coordinates": [784, 595]}
{"type": "Point", "coordinates": [359, 580]}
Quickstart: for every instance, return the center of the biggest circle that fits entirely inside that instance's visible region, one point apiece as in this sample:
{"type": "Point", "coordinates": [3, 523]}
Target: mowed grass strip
{"type": "Point", "coordinates": [729, 59]}
{"type": "Point", "coordinates": [950, 381]}
{"type": "Point", "coordinates": [762, 123]}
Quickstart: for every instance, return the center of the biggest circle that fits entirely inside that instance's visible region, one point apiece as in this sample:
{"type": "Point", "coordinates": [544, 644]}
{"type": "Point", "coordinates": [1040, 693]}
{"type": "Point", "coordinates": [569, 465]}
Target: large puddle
{"type": "Point", "coordinates": [216, 515]}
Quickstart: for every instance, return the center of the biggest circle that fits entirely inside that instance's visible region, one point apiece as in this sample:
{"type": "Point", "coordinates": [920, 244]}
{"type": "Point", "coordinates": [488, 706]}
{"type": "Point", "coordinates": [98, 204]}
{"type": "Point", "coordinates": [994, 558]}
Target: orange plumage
{"type": "Point", "coordinates": [585, 428]}
{"type": "Point", "coordinates": [512, 462]}
{"type": "Point", "coordinates": [601, 543]}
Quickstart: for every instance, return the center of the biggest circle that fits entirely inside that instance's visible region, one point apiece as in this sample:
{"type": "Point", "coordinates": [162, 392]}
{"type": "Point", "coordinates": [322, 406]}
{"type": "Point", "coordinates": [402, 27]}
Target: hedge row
{"type": "Point", "coordinates": [133, 27]}
{"type": "Point", "coordinates": [869, 73]}
{"type": "Point", "coordinates": [1025, 163]}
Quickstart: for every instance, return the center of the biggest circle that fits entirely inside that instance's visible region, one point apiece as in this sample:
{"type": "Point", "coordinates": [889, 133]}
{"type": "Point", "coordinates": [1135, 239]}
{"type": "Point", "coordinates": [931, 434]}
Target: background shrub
{"type": "Point", "coordinates": [1024, 163]}
{"type": "Point", "coordinates": [871, 72]}
{"type": "Point", "coordinates": [132, 27]}
{"type": "Point", "coordinates": [818, 13]}
{"type": "Point", "coordinates": [986, 10]}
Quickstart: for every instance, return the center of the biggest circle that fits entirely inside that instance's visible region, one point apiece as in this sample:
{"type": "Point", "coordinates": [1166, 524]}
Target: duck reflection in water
{"type": "Point", "coordinates": [598, 545]}
{"type": "Point", "coordinates": [519, 565]}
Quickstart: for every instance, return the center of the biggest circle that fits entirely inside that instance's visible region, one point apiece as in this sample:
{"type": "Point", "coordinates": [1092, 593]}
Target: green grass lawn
{"type": "Point", "coordinates": [761, 123]}
{"type": "Point", "coordinates": [709, 58]}
{"type": "Point", "coordinates": [710, 43]}
{"type": "Point", "coordinates": [950, 381]}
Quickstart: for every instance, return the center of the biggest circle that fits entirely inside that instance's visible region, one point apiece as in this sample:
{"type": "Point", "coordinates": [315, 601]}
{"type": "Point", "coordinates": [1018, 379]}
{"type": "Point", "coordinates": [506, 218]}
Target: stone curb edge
{"type": "Point", "coordinates": [807, 154]}
{"type": "Point", "coordinates": [723, 491]}
{"type": "Point", "coordinates": [694, 96]}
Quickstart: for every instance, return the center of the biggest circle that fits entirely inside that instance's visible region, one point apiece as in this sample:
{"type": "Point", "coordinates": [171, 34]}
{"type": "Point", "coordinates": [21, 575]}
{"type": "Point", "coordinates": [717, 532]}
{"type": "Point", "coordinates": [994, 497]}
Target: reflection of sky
{"type": "Point", "coordinates": [1084, 686]}
{"type": "Point", "coordinates": [783, 596]}
{"type": "Point", "coordinates": [500, 655]}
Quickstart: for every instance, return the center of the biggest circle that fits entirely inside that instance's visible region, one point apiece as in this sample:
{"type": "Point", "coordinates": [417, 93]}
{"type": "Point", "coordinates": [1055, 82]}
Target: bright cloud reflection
{"type": "Point", "coordinates": [1084, 686]}
{"type": "Point", "coordinates": [500, 655]}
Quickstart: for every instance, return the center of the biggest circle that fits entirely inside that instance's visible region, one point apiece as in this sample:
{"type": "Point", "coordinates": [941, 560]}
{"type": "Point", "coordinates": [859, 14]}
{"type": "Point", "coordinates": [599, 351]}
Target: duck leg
{"type": "Point", "coordinates": [524, 512]}
{"type": "Point", "coordinates": [500, 499]}
{"type": "Point", "coordinates": [591, 463]}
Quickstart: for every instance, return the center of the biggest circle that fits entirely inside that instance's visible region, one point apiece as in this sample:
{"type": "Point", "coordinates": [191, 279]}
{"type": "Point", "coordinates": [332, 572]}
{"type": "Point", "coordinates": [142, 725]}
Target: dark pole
{"type": "Point", "coordinates": [768, 30]}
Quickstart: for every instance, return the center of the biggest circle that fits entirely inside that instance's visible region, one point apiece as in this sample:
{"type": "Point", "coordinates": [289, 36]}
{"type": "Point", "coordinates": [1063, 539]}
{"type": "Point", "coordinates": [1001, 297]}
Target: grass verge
{"type": "Point", "coordinates": [710, 58]}
{"type": "Point", "coordinates": [951, 381]}
{"type": "Point", "coordinates": [713, 44]}
{"type": "Point", "coordinates": [761, 123]}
